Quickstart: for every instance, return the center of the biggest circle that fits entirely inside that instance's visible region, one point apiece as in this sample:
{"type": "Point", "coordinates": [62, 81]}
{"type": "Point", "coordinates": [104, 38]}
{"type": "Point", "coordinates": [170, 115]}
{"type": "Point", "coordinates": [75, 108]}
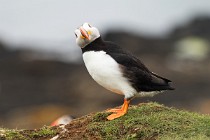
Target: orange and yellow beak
{"type": "Point", "coordinates": [84, 33]}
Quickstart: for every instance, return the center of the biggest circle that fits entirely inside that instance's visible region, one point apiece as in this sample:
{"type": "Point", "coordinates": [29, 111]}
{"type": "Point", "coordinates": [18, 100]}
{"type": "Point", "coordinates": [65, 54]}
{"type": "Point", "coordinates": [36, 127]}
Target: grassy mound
{"type": "Point", "coordinates": [144, 121]}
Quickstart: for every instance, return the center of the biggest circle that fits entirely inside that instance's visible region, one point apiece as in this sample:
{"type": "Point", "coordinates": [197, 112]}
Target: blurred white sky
{"type": "Point", "coordinates": [50, 24]}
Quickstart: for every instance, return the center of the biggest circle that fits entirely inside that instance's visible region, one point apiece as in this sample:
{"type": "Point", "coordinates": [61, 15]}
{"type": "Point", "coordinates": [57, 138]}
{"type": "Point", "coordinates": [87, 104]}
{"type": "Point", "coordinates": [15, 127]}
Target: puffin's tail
{"type": "Point", "coordinates": [162, 83]}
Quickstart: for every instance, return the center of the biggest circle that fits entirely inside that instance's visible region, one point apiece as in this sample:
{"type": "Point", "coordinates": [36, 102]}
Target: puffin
{"type": "Point", "coordinates": [116, 69]}
{"type": "Point", "coordinates": [63, 120]}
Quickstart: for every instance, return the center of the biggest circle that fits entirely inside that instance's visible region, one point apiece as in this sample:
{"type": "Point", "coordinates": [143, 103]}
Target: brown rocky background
{"type": "Point", "coordinates": [34, 92]}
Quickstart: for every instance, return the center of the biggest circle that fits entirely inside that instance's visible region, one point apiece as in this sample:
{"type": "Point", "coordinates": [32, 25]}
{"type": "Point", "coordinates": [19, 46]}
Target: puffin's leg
{"type": "Point", "coordinates": [119, 112]}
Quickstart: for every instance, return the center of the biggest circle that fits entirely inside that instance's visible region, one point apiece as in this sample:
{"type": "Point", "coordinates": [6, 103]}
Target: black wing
{"type": "Point", "coordinates": [137, 73]}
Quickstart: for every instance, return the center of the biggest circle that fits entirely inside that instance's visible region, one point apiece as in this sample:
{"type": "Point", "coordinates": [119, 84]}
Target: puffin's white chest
{"type": "Point", "coordinates": [106, 72]}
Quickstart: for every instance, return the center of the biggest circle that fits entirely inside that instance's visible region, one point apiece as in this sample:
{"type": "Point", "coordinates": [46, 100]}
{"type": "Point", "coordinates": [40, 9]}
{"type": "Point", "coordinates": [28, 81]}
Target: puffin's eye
{"type": "Point", "coordinates": [89, 25]}
{"type": "Point", "coordinates": [75, 35]}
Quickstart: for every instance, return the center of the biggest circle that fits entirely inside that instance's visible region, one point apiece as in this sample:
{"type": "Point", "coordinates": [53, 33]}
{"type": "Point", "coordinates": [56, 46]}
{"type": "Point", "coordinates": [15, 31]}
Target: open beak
{"type": "Point", "coordinates": [84, 33]}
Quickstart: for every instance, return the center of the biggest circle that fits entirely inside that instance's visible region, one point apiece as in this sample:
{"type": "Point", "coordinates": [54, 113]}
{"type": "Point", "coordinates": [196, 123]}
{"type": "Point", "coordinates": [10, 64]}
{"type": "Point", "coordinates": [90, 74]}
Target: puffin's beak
{"type": "Point", "coordinates": [84, 33]}
{"type": "Point", "coordinates": [55, 123]}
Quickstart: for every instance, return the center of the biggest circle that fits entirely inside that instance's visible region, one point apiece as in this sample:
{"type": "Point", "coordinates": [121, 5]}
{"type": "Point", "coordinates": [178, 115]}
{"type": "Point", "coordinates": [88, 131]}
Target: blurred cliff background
{"type": "Point", "coordinates": [42, 75]}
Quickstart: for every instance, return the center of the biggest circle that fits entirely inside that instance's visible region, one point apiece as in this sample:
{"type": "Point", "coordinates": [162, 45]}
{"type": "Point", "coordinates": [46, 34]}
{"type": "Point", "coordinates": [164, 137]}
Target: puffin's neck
{"type": "Point", "coordinates": [96, 45]}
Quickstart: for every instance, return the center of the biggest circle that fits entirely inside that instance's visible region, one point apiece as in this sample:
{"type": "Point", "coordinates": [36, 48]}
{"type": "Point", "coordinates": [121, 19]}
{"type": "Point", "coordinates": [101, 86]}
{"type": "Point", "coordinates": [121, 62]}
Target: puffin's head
{"type": "Point", "coordinates": [86, 34]}
{"type": "Point", "coordinates": [65, 119]}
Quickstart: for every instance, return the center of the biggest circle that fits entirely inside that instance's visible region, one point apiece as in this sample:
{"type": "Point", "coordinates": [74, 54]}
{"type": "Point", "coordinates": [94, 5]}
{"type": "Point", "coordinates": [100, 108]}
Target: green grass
{"type": "Point", "coordinates": [152, 121]}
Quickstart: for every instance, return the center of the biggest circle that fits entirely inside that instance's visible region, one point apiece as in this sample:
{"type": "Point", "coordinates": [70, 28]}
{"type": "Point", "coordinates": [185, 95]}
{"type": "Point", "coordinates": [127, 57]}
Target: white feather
{"type": "Point", "coordinates": [106, 72]}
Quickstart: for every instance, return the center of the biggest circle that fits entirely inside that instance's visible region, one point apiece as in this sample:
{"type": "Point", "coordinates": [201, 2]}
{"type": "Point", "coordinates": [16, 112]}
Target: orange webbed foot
{"type": "Point", "coordinates": [116, 115]}
{"type": "Point", "coordinates": [119, 112]}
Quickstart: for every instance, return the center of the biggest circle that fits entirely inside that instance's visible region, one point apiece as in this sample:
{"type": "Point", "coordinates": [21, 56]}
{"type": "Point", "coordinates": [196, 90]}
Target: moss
{"type": "Point", "coordinates": [152, 120]}
{"type": "Point", "coordinates": [44, 132]}
{"type": "Point", "coordinates": [13, 134]}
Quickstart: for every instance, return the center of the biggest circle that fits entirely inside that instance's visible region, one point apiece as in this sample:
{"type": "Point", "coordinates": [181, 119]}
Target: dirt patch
{"type": "Point", "coordinates": [77, 129]}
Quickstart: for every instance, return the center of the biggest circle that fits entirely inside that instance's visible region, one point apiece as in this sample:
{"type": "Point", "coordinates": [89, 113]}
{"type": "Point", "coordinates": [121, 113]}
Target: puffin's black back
{"type": "Point", "coordinates": [133, 69]}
